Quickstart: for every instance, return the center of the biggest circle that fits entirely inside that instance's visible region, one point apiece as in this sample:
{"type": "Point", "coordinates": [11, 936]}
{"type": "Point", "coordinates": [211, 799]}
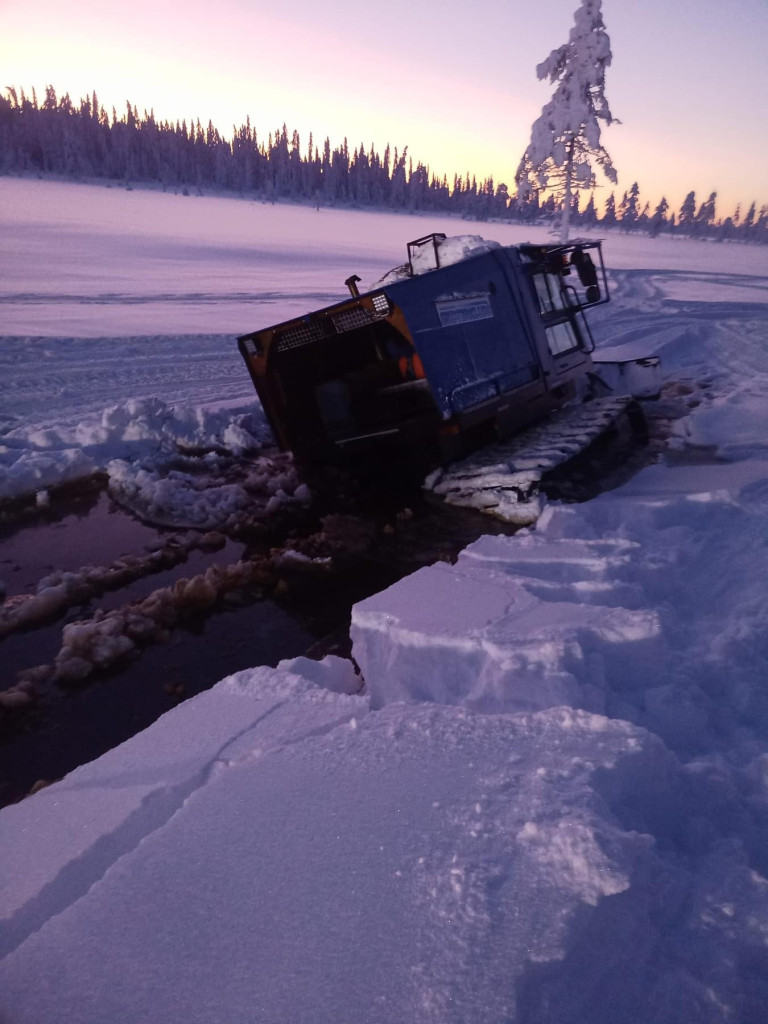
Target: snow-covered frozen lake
{"type": "Point", "coordinates": [550, 803]}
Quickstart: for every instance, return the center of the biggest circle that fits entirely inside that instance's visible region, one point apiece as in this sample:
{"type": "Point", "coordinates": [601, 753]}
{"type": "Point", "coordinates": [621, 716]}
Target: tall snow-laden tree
{"type": "Point", "coordinates": [565, 139]}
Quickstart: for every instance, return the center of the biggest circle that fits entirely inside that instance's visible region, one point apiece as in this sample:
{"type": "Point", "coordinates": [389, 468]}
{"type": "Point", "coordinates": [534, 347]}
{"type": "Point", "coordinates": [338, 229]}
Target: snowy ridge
{"type": "Point", "coordinates": [609, 605]}
{"type": "Point", "coordinates": [172, 465]}
{"type": "Point", "coordinates": [494, 640]}
{"type": "Point", "coordinates": [34, 458]}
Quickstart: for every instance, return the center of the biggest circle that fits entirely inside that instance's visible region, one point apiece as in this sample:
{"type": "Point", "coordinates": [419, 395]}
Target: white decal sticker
{"type": "Point", "coordinates": [463, 311]}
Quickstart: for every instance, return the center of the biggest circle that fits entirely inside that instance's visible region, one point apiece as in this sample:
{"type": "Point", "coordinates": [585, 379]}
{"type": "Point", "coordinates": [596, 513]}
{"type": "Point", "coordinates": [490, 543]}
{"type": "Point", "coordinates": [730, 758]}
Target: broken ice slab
{"type": "Point", "coordinates": [491, 641]}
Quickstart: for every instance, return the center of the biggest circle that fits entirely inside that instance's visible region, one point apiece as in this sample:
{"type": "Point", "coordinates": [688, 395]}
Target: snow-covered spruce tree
{"type": "Point", "coordinates": [659, 218]}
{"type": "Point", "coordinates": [629, 211]}
{"type": "Point", "coordinates": [609, 215]}
{"type": "Point", "coordinates": [565, 139]}
{"type": "Point", "coordinates": [705, 218]}
{"type": "Point", "coordinates": [589, 214]}
{"type": "Point", "coordinates": [687, 213]}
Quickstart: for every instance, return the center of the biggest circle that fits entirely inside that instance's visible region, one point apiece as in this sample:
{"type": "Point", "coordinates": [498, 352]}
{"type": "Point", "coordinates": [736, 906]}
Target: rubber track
{"type": "Point", "coordinates": [503, 479]}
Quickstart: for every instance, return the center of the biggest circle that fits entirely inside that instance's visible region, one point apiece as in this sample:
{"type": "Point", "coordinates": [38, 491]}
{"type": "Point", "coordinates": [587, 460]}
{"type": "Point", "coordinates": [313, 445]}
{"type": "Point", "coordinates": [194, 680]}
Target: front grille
{"type": "Point", "coordinates": [346, 320]}
{"type": "Point", "coordinates": [349, 319]}
{"type": "Point", "coordinates": [302, 334]}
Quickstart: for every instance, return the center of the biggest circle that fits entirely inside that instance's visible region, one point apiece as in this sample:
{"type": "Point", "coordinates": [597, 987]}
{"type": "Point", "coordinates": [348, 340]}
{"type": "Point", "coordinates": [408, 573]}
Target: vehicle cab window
{"type": "Point", "coordinates": [548, 292]}
{"type": "Point", "coordinates": [556, 313]}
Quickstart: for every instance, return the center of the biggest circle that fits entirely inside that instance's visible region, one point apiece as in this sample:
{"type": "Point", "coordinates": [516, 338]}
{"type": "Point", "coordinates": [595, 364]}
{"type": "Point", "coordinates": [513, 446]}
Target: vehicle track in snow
{"type": "Point", "coordinates": [65, 375]}
{"type": "Point", "coordinates": [708, 336]}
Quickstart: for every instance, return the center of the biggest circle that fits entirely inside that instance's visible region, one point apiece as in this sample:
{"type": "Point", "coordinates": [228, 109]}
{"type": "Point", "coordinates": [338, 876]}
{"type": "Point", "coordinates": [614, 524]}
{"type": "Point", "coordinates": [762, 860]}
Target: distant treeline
{"type": "Point", "coordinates": [83, 141]}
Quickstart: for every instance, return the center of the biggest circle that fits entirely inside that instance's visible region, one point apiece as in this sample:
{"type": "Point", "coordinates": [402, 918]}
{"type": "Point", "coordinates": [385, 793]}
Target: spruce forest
{"type": "Point", "coordinates": [83, 142]}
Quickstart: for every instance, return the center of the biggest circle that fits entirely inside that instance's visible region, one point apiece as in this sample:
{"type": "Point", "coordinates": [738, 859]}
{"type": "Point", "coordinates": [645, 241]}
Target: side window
{"type": "Point", "coordinates": [549, 294]}
{"type": "Point", "coordinates": [561, 338]}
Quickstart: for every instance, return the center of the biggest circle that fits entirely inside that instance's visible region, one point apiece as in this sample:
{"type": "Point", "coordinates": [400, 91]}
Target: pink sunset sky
{"type": "Point", "coordinates": [454, 81]}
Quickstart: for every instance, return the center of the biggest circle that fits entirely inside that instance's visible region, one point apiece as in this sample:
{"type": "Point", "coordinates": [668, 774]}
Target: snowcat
{"type": "Point", "coordinates": [467, 343]}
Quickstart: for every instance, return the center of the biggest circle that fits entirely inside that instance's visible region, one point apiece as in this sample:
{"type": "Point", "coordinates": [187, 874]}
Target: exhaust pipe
{"type": "Point", "coordinates": [351, 283]}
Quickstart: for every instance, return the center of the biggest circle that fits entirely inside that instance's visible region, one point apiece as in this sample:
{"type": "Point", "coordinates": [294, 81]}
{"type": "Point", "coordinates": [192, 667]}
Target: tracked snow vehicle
{"type": "Point", "coordinates": [466, 344]}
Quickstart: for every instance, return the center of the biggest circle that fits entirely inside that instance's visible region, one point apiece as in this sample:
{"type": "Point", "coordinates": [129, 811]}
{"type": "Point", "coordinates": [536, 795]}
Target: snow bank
{"type": "Point", "coordinates": [395, 858]}
{"type": "Point", "coordinates": [202, 496]}
{"type": "Point", "coordinates": [485, 639]}
{"type": "Point", "coordinates": [24, 473]}
{"type": "Point", "coordinates": [35, 457]}
{"type": "Point", "coordinates": [174, 466]}
{"type": "Point", "coordinates": [173, 497]}
{"type": "Point", "coordinates": [647, 604]}
{"type": "Point", "coordinates": [641, 604]}
{"type": "Point", "coordinates": [272, 847]}
{"type": "Point", "coordinates": [732, 426]}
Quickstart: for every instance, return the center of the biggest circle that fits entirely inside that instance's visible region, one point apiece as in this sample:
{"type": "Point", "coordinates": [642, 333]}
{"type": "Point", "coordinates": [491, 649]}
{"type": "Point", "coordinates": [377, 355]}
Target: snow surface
{"type": "Point", "coordinates": [549, 804]}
